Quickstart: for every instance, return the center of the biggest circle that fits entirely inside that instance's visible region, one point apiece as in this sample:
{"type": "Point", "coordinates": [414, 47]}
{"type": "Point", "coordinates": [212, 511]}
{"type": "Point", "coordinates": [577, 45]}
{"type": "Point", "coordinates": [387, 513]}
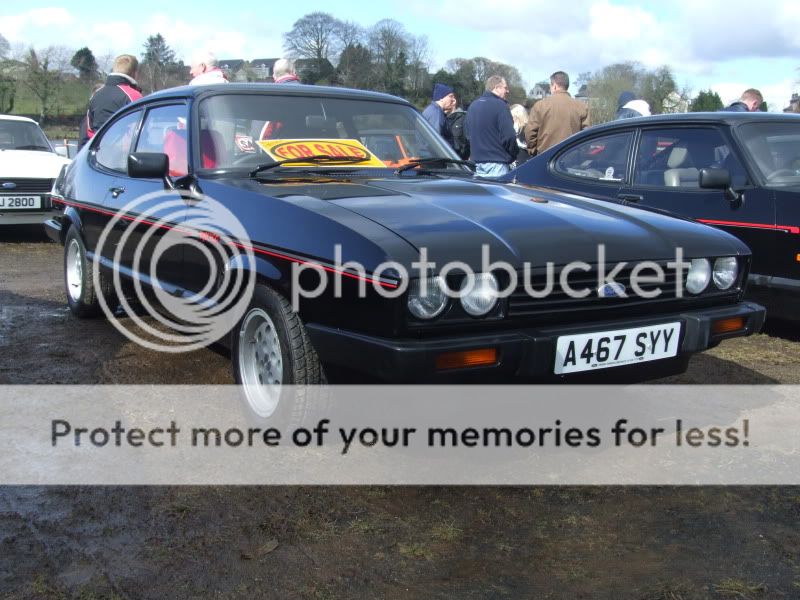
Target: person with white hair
{"type": "Point", "coordinates": [204, 70]}
{"type": "Point", "coordinates": [283, 71]}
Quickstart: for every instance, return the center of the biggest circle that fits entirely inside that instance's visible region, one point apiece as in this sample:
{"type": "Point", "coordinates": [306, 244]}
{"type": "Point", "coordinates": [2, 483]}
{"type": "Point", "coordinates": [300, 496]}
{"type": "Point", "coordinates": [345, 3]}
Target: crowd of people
{"type": "Point", "coordinates": [495, 136]}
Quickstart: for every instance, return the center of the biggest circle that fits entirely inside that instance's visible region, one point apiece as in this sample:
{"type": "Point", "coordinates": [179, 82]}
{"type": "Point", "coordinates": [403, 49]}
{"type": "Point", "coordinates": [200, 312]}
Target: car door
{"type": "Point", "coordinates": [773, 148]}
{"type": "Point", "coordinates": [666, 176]}
{"type": "Point", "coordinates": [597, 167]}
{"type": "Point", "coordinates": [108, 156]}
{"type": "Point", "coordinates": [149, 212]}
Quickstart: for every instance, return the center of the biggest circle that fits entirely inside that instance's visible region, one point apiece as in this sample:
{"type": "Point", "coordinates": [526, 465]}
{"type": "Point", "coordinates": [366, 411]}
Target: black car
{"type": "Point", "coordinates": [274, 219]}
{"type": "Point", "coordinates": [736, 171]}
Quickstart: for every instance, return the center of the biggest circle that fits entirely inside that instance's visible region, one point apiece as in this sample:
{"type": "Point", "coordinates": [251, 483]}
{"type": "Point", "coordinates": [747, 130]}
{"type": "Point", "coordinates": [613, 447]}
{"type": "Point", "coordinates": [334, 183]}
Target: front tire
{"type": "Point", "coordinates": [270, 349]}
{"type": "Point", "coordinates": [82, 295]}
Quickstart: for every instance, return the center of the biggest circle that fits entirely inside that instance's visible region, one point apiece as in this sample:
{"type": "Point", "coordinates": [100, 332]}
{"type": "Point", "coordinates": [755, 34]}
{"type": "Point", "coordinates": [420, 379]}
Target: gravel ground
{"type": "Point", "coordinates": [368, 542]}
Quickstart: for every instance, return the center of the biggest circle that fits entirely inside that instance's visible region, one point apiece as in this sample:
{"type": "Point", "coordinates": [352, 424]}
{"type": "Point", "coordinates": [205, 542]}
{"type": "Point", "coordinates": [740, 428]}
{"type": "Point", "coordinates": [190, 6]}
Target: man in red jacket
{"type": "Point", "coordinates": [120, 89]}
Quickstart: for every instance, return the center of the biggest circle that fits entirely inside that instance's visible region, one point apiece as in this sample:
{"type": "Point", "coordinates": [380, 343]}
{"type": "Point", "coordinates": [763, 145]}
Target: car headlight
{"type": "Point", "coordinates": [726, 270]}
{"type": "Point", "coordinates": [430, 302]}
{"type": "Point", "coordinates": [482, 297]}
{"type": "Point", "coordinates": [699, 275]}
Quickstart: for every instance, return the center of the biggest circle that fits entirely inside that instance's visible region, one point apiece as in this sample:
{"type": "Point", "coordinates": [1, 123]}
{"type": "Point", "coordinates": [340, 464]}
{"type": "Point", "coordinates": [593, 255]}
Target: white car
{"type": "Point", "coordinates": [28, 167]}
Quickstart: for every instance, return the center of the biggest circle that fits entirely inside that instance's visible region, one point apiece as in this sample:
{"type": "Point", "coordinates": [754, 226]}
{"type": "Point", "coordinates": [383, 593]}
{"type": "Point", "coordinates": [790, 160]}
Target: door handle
{"type": "Point", "coordinates": [631, 197]}
{"type": "Point", "coordinates": [116, 191]}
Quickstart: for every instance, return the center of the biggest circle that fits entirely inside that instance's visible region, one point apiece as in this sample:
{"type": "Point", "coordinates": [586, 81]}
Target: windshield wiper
{"type": "Point", "coordinates": [319, 159]}
{"type": "Point", "coordinates": [32, 147]}
{"type": "Point", "coordinates": [420, 162]}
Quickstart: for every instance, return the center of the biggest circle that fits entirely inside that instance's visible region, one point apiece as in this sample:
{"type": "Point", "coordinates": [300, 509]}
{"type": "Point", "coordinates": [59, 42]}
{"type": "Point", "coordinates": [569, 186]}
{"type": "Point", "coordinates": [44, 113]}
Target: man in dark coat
{"type": "Point", "coordinates": [490, 129]}
{"type": "Point", "coordinates": [750, 101]}
{"type": "Point", "coordinates": [444, 101]}
{"type": "Point", "coordinates": [120, 89]}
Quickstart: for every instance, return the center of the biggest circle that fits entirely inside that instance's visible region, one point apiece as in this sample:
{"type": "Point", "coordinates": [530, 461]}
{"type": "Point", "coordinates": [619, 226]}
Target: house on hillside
{"type": "Point", "coordinates": [262, 68]}
{"type": "Point", "coordinates": [540, 90]}
{"type": "Point", "coordinates": [234, 69]}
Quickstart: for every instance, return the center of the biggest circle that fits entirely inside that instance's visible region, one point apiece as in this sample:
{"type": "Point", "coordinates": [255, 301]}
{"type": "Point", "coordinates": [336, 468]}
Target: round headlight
{"type": "Point", "coordinates": [428, 301]}
{"type": "Point", "coordinates": [699, 275]}
{"type": "Point", "coordinates": [482, 297]}
{"type": "Point", "coordinates": [726, 270]}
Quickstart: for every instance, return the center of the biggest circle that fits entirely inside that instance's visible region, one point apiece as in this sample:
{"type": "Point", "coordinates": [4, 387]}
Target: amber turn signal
{"type": "Point", "coordinates": [467, 358]}
{"type": "Point", "coordinates": [728, 325]}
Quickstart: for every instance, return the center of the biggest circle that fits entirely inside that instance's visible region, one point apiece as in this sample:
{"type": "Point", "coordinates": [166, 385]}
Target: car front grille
{"type": "Point", "coordinates": [559, 301]}
{"type": "Point", "coordinates": [26, 186]}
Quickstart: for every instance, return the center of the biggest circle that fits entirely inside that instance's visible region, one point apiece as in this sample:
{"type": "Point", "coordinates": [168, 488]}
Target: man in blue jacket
{"type": "Point", "coordinates": [490, 129]}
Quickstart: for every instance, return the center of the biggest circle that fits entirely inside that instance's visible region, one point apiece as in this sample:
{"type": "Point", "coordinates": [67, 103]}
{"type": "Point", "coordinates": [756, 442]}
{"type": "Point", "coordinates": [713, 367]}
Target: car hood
{"type": "Point", "coordinates": [453, 219]}
{"type": "Point", "coordinates": [30, 164]}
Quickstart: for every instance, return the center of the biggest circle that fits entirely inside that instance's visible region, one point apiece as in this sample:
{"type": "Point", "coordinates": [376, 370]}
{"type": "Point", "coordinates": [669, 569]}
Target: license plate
{"type": "Point", "coordinates": [20, 202]}
{"type": "Point", "coordinates": [603, 349]}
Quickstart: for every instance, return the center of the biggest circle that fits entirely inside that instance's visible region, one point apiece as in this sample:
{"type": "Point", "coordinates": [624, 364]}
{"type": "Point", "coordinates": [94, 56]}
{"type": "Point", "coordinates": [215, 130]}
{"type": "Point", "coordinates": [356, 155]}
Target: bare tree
{"type": "Point", "coordinates": [5, 47]}
{"type": "Point", "coordinates": [43, 74]}
{"type": "Point", "coordinates": [349, 34]}
{"type": "Point", "coordinates": [418, 65]}
{"type": "Point", "coordinates": [314, 36]}
{"type": "Point", "coordinates": [389, 43]}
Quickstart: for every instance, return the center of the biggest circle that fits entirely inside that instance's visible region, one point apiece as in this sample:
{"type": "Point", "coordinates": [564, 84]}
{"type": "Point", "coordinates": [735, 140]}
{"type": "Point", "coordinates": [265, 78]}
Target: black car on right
{"type": "Point", "coordinates": [736, 171]}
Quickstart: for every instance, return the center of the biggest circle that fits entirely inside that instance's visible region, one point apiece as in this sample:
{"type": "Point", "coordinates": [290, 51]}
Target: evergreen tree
{"type": "Point", "coordinates": [86, 65]}
{"type": "Point", "coordinates": [706, 101]}
{"type": "Point", "coordinates": [158, 63]}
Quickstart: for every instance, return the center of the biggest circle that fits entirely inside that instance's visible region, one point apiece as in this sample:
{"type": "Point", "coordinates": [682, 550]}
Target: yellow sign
{"type": "Point", "coordinates": [283, 149]}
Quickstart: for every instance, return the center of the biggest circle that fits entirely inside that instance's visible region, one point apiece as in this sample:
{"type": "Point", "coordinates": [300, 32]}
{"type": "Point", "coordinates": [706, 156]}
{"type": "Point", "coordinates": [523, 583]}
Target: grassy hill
{"type": "Point", "coordinates": [67, 108]}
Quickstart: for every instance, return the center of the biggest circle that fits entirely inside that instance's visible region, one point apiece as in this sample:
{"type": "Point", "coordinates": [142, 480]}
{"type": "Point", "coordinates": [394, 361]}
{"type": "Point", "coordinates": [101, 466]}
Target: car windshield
{"type": "Point", "coordinates": [775, 151]}
{"type": "Point", "coordinates": [22, 135]}
{"type": "Point", "coordinates": [249, 131]}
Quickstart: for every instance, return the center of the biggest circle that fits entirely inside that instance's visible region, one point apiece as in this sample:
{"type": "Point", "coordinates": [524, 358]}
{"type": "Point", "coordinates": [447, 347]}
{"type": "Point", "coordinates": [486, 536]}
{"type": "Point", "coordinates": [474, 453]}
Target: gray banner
{"type": "Point", "coordinates": [507, 435]}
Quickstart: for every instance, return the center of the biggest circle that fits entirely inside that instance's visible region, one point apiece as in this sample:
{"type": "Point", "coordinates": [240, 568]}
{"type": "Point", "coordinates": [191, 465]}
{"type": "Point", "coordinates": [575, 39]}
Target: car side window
{"type": "Point", "coordinates": [602, 158]}
{"type": "Point", "coordinates": [113, 148]}
{"type": "Point", "coordinates": [164, 131]}
{"type": "Point", "coordinates": [674, 157]}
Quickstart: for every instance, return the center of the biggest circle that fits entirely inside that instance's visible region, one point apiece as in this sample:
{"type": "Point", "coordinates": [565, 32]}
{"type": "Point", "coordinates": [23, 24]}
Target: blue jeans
{"type": "Point", "coordinates": [491, 169]}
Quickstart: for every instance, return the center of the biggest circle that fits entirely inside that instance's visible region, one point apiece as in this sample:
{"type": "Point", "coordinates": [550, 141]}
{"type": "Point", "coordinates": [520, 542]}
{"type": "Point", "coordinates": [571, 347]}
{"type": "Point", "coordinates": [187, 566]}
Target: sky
{"type": "Point", "coordinates": [726, 46]}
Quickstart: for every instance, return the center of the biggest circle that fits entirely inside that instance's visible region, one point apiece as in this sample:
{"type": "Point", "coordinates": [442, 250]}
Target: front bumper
{"type": "Point", "coordinates": [26, 218]}
{"type": "Point", "coordinates": [522, 353]}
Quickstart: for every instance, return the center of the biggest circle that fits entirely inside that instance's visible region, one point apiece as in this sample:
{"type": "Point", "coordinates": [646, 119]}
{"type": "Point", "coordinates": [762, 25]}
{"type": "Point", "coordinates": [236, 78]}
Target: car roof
{"type": "Point", "coordinates": [729, 118]}
{"type": "Point", "coordinates": [16, 118]}
{"type": "Point", "coordinates": [274, 89]}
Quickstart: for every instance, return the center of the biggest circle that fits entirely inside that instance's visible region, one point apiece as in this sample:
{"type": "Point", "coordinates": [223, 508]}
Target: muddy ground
{"type": "Point", "coordinates": [368, 542]}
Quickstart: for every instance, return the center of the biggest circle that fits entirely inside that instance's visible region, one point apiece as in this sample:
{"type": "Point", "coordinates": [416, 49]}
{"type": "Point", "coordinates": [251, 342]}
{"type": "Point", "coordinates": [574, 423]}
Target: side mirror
{"type": "Point", "coordinates": [62, 151]}
{"type": "Point", "coordinates": [719, 179]}
{"type": "Point", "coordinates": [148, 165]}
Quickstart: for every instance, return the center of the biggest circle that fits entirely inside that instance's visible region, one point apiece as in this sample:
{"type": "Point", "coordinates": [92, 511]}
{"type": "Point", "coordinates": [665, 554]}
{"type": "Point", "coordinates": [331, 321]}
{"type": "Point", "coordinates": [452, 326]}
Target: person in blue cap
{"type": "Point", "coordinates": [444, 101]}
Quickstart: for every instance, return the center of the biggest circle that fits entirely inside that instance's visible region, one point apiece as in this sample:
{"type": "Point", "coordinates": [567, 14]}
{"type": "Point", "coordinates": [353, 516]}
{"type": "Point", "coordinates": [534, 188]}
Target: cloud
{"type": "Point", "coordinates": [19, 28]}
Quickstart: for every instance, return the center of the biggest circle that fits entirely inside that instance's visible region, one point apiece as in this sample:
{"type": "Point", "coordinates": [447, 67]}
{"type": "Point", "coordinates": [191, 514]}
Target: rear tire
{"type": "Point", "coordinates": [270, 349]}
{"type": "Point", "coordinates": [82, 295]}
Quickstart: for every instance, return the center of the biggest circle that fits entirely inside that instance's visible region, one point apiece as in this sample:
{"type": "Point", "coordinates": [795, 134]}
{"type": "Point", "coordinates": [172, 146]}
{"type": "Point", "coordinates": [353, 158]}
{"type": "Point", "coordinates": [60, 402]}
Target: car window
{"type": "Point", "coordinates": [113, 148]}
{"type": "Point", "coordinates": [239, 126]}
{"type": "Point", "coordinates": [164, 131]}
{"type": "Point", "coordinates": [673, 157]}
{"type": "Point", "coordinates": [775, 151]}
{"type": "Point", "coordinates": [22, 135]}
{"type": "Point", "coordinates": [602, 158]}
